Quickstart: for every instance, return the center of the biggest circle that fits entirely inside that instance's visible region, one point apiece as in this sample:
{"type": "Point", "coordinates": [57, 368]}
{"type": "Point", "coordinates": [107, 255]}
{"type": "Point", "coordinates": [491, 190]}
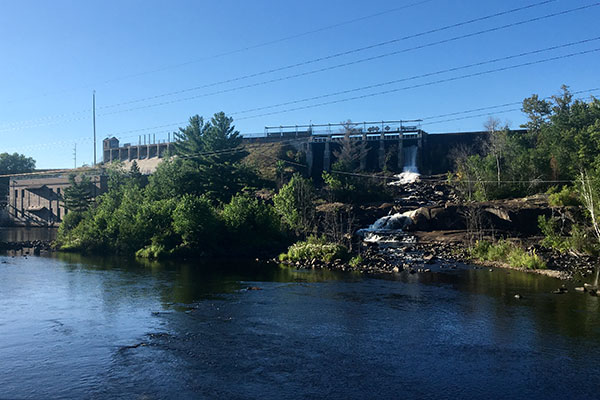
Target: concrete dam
{"type": "Point", "coordinates": [386, 144]}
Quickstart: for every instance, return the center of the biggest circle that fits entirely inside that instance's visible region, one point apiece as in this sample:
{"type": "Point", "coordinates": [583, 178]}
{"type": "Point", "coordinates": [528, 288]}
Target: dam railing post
{"type": "Point", "coordinates": [382, 149]}
{"type": "Point", "coordinates": [327, 155]}
{"type": "Point", "coordinates": [400, 150]}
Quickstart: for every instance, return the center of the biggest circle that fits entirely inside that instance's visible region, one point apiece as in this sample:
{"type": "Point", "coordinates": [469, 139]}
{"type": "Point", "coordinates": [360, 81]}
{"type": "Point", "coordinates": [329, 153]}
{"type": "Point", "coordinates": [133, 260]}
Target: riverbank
{"type": "Point", "coordinates": [428, 227]}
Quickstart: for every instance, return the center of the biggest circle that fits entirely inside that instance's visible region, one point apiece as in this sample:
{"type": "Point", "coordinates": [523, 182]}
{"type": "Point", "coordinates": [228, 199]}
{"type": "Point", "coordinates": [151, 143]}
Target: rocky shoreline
{"type": "Point", "coordinates": [34, 247]}
{"type": "Point", "coordinates": [440, 230]}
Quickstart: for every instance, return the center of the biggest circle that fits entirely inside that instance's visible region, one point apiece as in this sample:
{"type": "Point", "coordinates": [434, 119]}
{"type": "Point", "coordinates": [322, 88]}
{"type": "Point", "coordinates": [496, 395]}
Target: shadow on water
{"type": "Point", "coordinates": [102, 327]}
{"type": "Point", "coordinates": [571, 313]}
{"type": "Point", "coordinates": [186, 282]}
{"type": "Point", "coordinates": [27, 234]}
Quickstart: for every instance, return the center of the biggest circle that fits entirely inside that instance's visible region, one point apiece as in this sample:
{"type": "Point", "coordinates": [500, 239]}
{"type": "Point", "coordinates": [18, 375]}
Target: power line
{"type": "Point", "coordinates": [423, 84]}
{"type": "Point", "coordinates": [489, 108]}
{"type": "Point", "coordinates": [268, 43]}
{"type": "Point", "coordinates": [251, 47]}
{"type": "Point", "coordinates": [417, 76]}
{"type": "Point", "coordinates": [436, 30]}
{"type": "Point", "coordinates": [175, 125]}
{"type": "Point", "coordinates": [336, 55]}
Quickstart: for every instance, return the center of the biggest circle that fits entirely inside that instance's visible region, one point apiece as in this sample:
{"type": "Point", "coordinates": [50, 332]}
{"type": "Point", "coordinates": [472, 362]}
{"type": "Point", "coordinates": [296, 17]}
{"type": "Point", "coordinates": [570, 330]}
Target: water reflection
{"type": "Point", "coordinates": [27, 234]}
{"type": "Point", "coordinates": [74, 327]}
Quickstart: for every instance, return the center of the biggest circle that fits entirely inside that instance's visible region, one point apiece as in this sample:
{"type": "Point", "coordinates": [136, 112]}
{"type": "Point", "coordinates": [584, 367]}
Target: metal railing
{"type": "Point", "coordinates": [357, 128]}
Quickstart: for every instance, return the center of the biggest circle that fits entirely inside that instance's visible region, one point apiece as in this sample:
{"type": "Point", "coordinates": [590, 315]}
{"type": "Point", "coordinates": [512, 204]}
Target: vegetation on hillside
{"type": "Point", "coordinates": [558, 154]}
{"type": "Point", "coordinates": [203, 201]}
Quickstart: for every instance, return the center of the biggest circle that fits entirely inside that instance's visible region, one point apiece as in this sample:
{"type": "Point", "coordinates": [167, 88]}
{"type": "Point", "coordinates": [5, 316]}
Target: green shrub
{"type": "Point", "coordinates": [507, 252]}
{"type": "Point", "coordinates": [69, 222]}
{"type": "Point", "coordinates": [566, 197]}
{"type": "Point", "coordinates": [356, 261]}
{"type": "Point", "coordinates": [315, 248]}
{"type": "Point", "coordinates": [295, 204]}
{"type": "Point", "coordinates": [195, 220]}
{"type": "Point", "coordinates": [249, 221]}
{"type": "Point", "coordinates": [552, 239]}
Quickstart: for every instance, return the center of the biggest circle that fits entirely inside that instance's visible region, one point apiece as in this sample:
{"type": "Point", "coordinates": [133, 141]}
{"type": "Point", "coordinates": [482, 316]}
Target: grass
{"type": "Point", "coordinates": [509, 253]}
{"type": "Point", "coordinates": [315, 249]}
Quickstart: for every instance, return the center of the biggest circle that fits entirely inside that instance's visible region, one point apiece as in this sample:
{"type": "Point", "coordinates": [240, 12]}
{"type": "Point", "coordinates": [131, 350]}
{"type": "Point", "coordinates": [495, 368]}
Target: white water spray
{"type": "Point", "coordinates": [410, 171]}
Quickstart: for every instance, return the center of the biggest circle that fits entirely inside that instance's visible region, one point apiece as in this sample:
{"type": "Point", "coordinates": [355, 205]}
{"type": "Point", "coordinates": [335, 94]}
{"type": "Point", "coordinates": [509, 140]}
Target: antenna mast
{"type": "Point", "coordinates": [94, 116]}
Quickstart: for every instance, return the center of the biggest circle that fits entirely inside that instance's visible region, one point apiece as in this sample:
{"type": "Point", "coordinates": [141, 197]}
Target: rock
{"type": "Point", "coordinates": [428, 258]}
{"type": "Point", "coordinates": [395, 270]}
{"type": "Point", "coordinates": [253, 288]}
{"type": "Point", "coordinates": [518, 296]}
{"type": "Point", "coordinates": [580, 289]}
{"type": "Point", "coordinates": [491, 270]}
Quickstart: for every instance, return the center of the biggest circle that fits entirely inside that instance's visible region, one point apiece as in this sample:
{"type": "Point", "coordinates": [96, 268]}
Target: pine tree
{"type": "Point", "coordinates": [215, 150]}
{"type": "Point", "coordinates": [79, 195]}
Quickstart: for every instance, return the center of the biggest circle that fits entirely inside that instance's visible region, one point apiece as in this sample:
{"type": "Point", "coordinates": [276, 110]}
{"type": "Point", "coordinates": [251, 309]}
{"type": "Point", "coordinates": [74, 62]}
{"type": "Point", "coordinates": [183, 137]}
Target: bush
{"type": "Point", "coordinates": [69, 222]}
{"type": "Point", "coordinates": [552, 239]}
{"type": "Point", "coordinates": [196, 221]}
{"type": "Point", "coordinates": [250, 222]}
{"type": "Point", "coordinates": [566, 197]}
{"type": "Point", "coordinates": [507, 252]}
{"type": "Point", "coordinates": [356, 261]}
{"type": "Point", "coordinates": [315, 248]}
{"type": "Point", "coordinates": [295, 204]}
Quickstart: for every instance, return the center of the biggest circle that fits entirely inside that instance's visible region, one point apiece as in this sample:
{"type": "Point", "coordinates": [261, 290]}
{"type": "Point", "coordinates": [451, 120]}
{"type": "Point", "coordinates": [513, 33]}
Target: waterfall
{"type": "Point", "coordinates": [386, 229]}
{"type": "Point", "coordinates": [410, 159]}
{"type": "Point", "coordinates": [410, 171]}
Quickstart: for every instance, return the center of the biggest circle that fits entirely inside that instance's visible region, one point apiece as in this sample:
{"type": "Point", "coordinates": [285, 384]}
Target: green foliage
{"type": "Point", "coordinates": [196, 221]}
{"type": "Point", "coordinates": [565, 197]}
{"type": "Point", "coordinates": [210, 154]}
{"type": "Point", "coordinates": [249, 221]}
{"type": "Point", "coordinates": [563, 138]}
{"type": "Point", "coordinates": [174, 178]}
{"type": "Point", "coordinates": [15, 163]}
{"type": "Point", "coordinates": [356, 261]}
{"type": "Point", "coordinates": [295, 204]}
{"type": "Point", "coordinates": [347, 188]}
{"type": "Point", "coordinates": [507, 252]}
{"type": "Point", "coordinates": [69, 222]}
{"type": "Point", "coordinates": [78, 196]}
{"type": "Point", "coordinates": [552, 239]}
{"type": "Point", "coordinates": [317, 249]}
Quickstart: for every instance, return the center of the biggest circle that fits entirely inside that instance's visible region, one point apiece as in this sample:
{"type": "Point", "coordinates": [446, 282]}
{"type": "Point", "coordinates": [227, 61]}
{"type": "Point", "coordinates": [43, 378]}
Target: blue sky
{"type": "Point", "coordinates": [54, 54]}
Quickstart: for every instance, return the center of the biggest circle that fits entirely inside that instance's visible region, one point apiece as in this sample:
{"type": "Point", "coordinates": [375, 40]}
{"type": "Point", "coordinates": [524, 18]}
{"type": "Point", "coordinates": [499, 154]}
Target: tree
{"type": "Point", "coordinates": [79, 195]}
{"type": "Point", "coordinates": [189, 140]}
{"type": "Point", "coordinates": [15, 163]}
{"type": "Point", "coordinates": [538, 112]}
{"type": "Point", "coordinates": [295, 204]}
{"type": "Point", "coordinates": [215, 149]}
{"type": "Point", "coordinates": [351, 151]}
{"type": "Point", "coordinates": [496, 142]}
{"type": "Point", "coordinates": [589, 188]}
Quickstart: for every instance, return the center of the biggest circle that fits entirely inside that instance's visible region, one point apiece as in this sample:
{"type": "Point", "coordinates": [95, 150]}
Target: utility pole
{"type": "Point", "coordinates": [94, 112]}
{"type": "Point", "coordinates": [75, 156]}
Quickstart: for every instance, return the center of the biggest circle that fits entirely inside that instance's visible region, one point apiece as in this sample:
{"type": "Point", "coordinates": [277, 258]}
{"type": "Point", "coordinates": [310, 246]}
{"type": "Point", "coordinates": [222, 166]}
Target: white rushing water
{"type": "Point", "coordinates": [386, 229]}
{"type": "Point", "coordinates": [410, 171]}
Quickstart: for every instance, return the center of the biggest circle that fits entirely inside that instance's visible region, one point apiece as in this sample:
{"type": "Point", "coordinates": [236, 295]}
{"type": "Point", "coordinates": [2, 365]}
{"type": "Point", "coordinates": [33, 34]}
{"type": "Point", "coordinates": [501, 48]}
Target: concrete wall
{"type": "Point", "coordinates": [38, 200]}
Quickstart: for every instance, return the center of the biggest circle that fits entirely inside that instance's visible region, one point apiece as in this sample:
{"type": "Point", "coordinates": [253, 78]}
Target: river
{"type": "Point", "coordinates": [75, 327]}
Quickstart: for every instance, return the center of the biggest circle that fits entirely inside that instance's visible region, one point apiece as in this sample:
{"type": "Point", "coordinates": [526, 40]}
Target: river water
{"type": "Point", "coordinates": [27, 234]}
{"type": "Point", "coordinates": [73, 327]}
